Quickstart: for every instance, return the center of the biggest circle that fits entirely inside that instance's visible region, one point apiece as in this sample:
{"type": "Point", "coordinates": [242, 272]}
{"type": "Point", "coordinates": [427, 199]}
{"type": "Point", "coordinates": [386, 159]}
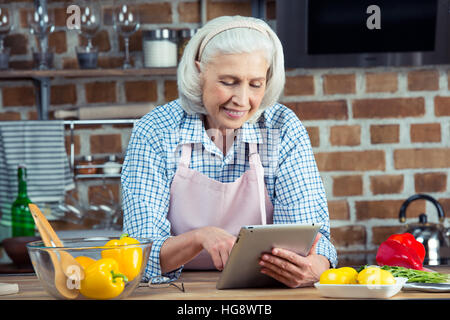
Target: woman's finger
{"type": "Point", "coordinates": [284, 277]}
{"type": "Point", "coordinates": [217, 260]}
{"type": "Point", "coordinates": [218, 243]}
{"type": "Point", "coordinates": [280, 266]}
{"type": "Point", "coordinates": [276, 276]}
{"type": "Point", "coordinates": [294, 258]}
{"type": "Point", "coordinates": [224, 254]}
{"type": "Point", "coordinates": [216, 253]}
{"type": "Point", "coordinates": [219, 254]}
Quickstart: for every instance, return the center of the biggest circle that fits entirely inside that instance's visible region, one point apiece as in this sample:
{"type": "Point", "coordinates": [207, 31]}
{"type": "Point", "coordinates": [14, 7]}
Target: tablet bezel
{"type": "Point", "coordinates": [242, 269]}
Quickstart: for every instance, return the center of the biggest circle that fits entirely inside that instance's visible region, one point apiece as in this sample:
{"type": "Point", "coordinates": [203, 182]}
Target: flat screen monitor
{"type": "Point", "coordinates": [345, 33]}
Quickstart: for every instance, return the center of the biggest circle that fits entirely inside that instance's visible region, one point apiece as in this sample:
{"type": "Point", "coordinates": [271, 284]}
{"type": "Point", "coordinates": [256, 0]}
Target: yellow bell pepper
{"type": "Point", "coordinates": [85, 261]}
{"type": "Point", "coordinates": [102, 280]}
{"type": "Point", "coordinates": [129, 259]}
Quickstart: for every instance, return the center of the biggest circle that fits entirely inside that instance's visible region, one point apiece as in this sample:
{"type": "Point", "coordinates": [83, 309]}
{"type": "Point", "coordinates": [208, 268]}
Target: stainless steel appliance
{"type": "Point", "coordinates": [434, 236]}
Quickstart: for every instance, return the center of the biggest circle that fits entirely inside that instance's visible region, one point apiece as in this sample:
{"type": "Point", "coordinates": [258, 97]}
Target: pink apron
{"type": "Point", "coordinates": [198, 201]}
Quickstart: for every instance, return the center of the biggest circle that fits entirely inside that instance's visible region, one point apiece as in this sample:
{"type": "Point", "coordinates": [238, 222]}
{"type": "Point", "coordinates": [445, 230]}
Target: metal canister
{"type": "Point", "coordinates": [184, 35]}
{"type": "Point", "coordinates": [159, 48]}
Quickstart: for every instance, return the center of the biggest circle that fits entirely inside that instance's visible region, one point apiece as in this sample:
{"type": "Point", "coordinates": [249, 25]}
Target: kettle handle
{"type": "Point", "coordinates": [440, 210]}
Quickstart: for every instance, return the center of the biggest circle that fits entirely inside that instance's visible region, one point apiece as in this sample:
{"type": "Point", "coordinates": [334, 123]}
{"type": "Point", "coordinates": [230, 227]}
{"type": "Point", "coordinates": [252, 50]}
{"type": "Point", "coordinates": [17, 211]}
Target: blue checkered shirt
{"type": "Point", "coordinates": [290, 172]}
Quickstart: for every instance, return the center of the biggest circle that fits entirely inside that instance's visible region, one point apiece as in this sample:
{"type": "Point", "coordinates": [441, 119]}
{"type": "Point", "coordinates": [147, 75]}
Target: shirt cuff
{"type": "Point", "coordinates": [153, 270]}
{"type": "Point", "coordinates": [327, 249]}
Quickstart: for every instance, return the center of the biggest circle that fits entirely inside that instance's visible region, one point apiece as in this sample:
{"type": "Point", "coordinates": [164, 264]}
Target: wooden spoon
{"type": "Point", "coordinates": [67, 263]}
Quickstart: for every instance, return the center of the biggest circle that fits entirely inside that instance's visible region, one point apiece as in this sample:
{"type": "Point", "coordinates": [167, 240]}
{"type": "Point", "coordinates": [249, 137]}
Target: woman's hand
{"type": "Point", "coordinates": [218, 243]}
{"type": "Point", "coordinates": [292, 269]}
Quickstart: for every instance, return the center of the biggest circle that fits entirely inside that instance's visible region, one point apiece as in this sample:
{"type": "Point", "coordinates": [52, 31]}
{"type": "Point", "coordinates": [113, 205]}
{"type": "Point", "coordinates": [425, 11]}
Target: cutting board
{"type": "Point", "coordinates": [8, 288]}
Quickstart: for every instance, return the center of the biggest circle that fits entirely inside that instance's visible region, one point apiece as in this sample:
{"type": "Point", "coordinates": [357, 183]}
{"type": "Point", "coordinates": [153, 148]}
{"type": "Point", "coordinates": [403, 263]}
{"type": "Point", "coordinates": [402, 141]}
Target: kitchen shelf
{"type": "Point", "coordinates": [72, 124]}
{"type": "Point", "coordinates": [85, 73]}
{"type": "Point", "coordinates": [97, 176]}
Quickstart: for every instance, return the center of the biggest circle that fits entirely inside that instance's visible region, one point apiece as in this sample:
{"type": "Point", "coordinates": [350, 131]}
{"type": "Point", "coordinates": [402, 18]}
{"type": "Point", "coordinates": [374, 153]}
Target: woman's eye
{"type": "Point", "coordinates": [256, 85]}
{"type": "Point", "coordinates": [227, 83]}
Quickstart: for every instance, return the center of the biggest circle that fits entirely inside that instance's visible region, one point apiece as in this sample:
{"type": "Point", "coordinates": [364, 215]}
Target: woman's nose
{"type": "Point", "coordinates": [241, 96]}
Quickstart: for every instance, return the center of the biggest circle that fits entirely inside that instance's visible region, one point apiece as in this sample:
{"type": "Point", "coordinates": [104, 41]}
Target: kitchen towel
{"type": "Point", "coordinates": [40, 145]}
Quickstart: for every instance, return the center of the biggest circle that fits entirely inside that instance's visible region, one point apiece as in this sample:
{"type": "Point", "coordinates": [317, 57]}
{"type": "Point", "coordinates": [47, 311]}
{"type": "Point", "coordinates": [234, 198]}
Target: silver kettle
{"type": "Point", "coordinates": [434, 237]}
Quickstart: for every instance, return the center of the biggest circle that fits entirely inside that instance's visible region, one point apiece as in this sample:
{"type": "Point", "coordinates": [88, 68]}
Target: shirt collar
{"type": "Point", "coordinates": [192, 130]}
{"type": "Point", "coordinates": [252, 132]}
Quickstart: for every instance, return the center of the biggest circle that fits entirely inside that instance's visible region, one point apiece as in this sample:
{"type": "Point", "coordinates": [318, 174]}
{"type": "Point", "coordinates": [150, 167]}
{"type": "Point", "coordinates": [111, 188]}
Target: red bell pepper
{"type": "Point", "coordinates": [394, 253]}
{"type": "Point", "coordinates": [408, 240]}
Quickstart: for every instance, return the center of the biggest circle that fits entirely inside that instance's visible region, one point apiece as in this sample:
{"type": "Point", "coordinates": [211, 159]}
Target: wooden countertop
{"type": "Point", "coordinates": [202, 286]}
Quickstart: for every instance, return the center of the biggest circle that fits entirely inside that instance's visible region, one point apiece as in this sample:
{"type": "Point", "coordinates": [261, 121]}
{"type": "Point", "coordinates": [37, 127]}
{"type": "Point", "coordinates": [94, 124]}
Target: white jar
{"type": "Point", "coordinates": [111, 166]}
{"type": "Point", "coordinates": [160, 48]}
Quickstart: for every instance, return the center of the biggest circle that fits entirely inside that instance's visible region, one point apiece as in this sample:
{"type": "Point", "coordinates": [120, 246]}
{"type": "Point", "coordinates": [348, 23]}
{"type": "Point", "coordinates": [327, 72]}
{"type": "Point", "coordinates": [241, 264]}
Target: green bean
{"type": "Point", "coordinates": [418, 275]}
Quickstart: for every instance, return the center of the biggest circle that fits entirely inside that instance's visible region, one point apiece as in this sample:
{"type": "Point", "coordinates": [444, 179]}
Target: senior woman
{"type": "Point", "coordinates": [223, 155]}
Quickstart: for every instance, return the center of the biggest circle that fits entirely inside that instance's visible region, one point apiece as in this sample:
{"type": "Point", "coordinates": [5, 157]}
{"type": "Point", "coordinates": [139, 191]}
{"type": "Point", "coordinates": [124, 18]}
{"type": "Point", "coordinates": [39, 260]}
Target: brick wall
{"type": "Point", "coordinates": [379, 134]}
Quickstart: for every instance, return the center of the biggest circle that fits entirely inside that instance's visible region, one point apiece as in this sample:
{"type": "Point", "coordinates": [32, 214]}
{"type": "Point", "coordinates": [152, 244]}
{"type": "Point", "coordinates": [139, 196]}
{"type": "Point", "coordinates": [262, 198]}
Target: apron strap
{"type": "Point", "coordinates": [185, 159]}
{"type": "Point", "coordinates": [255, 163]}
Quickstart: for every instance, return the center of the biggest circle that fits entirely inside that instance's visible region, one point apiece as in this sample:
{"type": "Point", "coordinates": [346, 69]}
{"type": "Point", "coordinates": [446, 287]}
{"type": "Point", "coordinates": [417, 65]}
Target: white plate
{"type": "Point", "coordinates": [361, 291]}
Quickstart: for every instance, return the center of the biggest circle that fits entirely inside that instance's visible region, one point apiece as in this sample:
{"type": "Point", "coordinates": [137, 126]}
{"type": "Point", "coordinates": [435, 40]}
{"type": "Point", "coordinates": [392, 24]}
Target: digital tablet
{"type": "Point", "coordinates": [242, 269]}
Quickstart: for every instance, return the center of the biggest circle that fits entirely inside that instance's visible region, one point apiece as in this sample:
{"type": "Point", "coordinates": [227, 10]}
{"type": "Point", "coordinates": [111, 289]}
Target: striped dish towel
{"type": "Point", "coordinates": [40, 146]}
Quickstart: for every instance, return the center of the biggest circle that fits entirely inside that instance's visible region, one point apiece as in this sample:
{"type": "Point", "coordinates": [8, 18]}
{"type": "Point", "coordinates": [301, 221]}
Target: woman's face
{"type": "Point", "coordinates": [233, 87]}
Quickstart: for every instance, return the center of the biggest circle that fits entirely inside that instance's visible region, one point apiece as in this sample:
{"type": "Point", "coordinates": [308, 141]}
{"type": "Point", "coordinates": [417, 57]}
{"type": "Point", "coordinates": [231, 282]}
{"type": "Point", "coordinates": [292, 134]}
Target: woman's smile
{"type": "Point", "coordinates": [233, 113]}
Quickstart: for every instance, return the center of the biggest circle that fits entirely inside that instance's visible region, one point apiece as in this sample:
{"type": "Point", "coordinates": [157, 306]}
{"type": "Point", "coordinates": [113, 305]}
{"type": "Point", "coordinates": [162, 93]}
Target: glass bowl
{"type": "Point", "coordinates": [41, 259]}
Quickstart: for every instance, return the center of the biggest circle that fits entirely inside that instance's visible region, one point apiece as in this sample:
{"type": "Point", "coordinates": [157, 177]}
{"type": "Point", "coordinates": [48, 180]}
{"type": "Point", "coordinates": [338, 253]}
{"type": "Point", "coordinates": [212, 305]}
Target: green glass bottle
{"type": "Point", "coordinates": [22, 221]}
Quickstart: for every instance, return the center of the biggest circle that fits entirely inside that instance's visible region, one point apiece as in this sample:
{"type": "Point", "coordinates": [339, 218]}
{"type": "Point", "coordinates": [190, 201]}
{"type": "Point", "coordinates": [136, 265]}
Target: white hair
{"type": "Point", "coordinates": [230, 41]}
